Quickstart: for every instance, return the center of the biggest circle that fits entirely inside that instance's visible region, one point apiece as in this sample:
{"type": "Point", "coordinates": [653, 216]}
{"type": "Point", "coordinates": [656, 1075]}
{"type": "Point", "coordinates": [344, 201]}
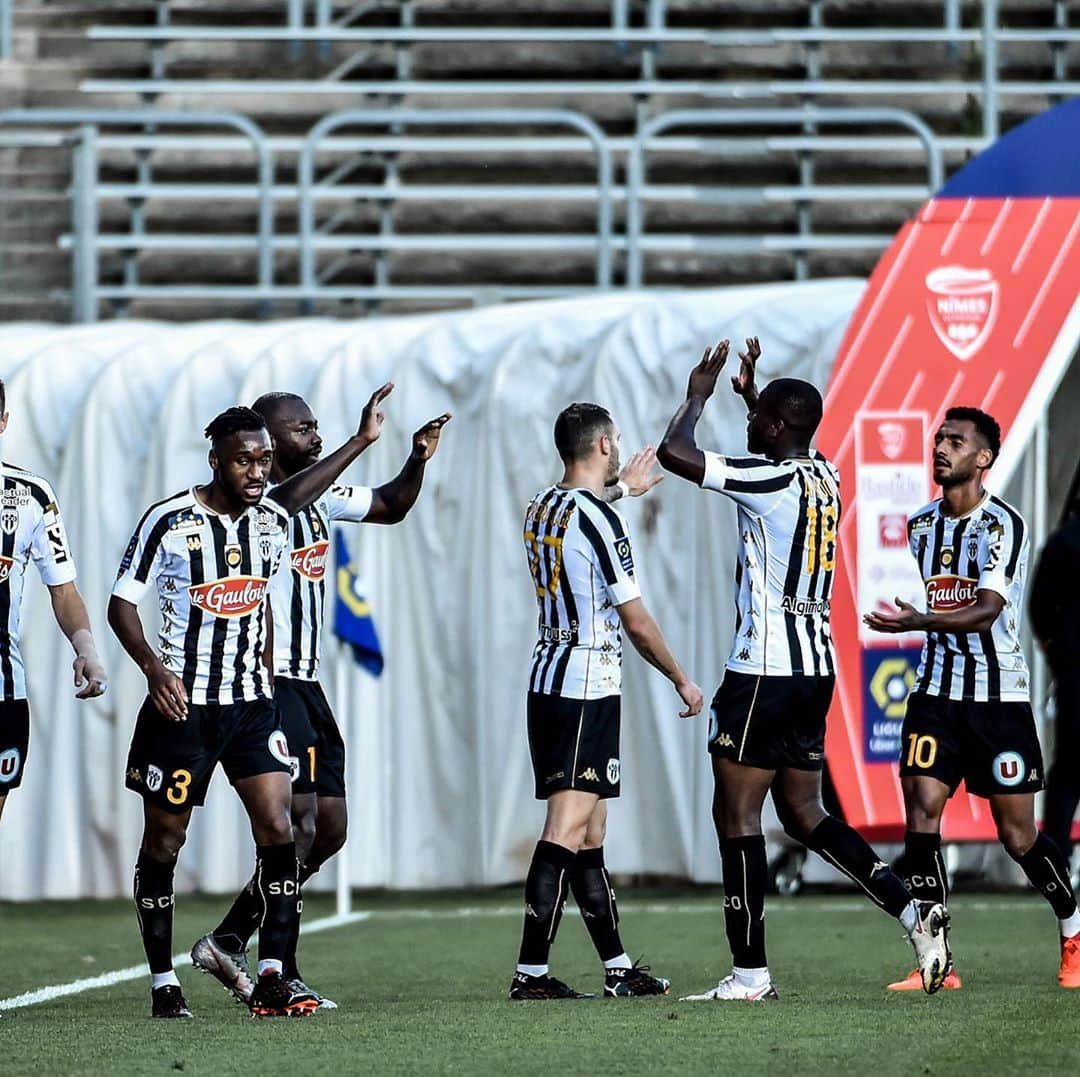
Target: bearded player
{"type": "Point", "coordinates": [297, 591]}
{"type": "Point", "coordinates": [969, 717]}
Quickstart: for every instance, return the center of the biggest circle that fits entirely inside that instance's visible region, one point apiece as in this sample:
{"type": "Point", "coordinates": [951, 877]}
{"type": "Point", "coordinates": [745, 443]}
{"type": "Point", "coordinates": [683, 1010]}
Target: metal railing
{"type": "Point", "coordinates": [85, 240]}
{"type": "Point", "coordinates": [638, 195]}
{"type": "Point", "coordinates": [652, 38]}
{"type": "Point", "coordinates": [94, 134]}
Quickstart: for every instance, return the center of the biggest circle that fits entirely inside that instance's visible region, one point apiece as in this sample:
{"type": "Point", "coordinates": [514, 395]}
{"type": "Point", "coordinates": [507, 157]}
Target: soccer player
{"type": "Point", "coordinates": [969, 717]}
{"type": "Point", "coordinates": [767, 724]}
{"type": "Point", "coordinates": [211, 552]}
{"type": "Point", "coordinates": [31, 530]}
{"type": "Point", "coordinates": [582, 567]}
{"type": "Point", "coordinates": [297, 592]}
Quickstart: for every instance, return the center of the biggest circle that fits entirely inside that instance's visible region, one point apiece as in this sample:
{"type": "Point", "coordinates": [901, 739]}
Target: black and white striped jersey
{"type": "Point", "coordinates": [211, 574]}
{"type": "Point", "coordinates": [30, 530]}
{"type": "Point", "coordinates": [958, 556]}
{"type": "Point", "coordinates": [298, 588]}
{"type": "Point", "coordinates": [582, 567]}
{"type": "Point", "coordinates": [788, 518]}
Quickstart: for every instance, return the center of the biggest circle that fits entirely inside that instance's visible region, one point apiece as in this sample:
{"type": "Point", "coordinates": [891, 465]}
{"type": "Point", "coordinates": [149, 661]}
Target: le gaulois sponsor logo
{"type": "Point", "coordinates": [946, 593]}
{"type": "Point", "coordinates": [236, 596]}
{"type": "Point", "coordinates": [310, 561]}
{"type": "Point", "coordinates": [6, 564]}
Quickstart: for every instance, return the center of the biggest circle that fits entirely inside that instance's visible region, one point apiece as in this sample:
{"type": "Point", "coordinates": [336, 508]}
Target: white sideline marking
{"type": "Point", "coordinates": [135, 972]}
{"type": "Point", "coordinates": [469, 912]}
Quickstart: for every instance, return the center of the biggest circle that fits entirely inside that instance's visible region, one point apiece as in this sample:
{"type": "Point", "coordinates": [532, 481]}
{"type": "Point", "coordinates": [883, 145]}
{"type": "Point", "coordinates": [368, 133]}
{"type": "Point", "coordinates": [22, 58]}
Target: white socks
{"type": "Point", "coordinates": [269, 964]}
{"type": "Point", "coordinates": [533, 970]}
{"type": "Point", "coordinates": [909, 918]}
{"type": "Point", "coordinates": [1071, 925]}
{"type": "Point", "coordinates": [620, 962]}
{"type": "Point", "coordinates": [751, 977]}
{"type": "Point", "coordinates": [164, 979]}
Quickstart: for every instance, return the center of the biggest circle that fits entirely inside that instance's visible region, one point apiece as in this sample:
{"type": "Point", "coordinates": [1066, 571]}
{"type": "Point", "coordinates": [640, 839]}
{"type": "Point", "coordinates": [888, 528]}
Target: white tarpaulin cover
{"type": "Point", "coordinates": [439, 780]}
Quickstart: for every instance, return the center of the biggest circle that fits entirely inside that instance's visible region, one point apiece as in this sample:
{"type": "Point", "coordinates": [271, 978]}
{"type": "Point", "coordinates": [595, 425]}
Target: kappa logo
{"type": "Point", "coordinates": [723, 740]}
{"type": "Point", "coordinates": [962, 304]}
{"type": "Point", "coordinates": [194, 543]}
{"type": "Point", "coordinates": [154, 778]}
{"type": "Point", "coordinates": [1009, 768]}
{"type": "Point", "coordinates": [237, 596]}
{"type": "Point", "coordinates": [134, 775]}
{"type": "Point", "coordinates": [613, 770]}
{"type": "Point", "coordinates": [310, 561]}
{"type": "Point", "coordinates": [10, 760]}
{"type": "Point", "coordinates": [588, 775]}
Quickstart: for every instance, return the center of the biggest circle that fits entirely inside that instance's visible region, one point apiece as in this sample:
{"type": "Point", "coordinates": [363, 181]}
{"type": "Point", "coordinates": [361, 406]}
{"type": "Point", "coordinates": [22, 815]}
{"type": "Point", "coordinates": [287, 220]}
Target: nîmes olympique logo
{"type": "Point", "coordinates": [962, 304]}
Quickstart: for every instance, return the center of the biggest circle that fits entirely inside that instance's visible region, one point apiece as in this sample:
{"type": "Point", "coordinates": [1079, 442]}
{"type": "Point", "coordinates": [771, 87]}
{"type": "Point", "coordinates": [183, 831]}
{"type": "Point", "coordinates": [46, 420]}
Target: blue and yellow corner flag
{"type": "Point", "coordinates": [353, 623]}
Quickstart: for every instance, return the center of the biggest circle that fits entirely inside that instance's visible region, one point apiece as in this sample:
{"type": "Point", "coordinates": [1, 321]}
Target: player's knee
{"type": "Point", "coordinates": [273, 827]}
{"type": "Point", "coordinates": [1016, 836]}
{"type": "Point", "coordinates": [799, 820]}
{"type": "Point", "coordinates": [163, 843]}
{"type": "Point", "coordinates": [570, 835]}
{"type": "Point", "coordinates": [741, 824]}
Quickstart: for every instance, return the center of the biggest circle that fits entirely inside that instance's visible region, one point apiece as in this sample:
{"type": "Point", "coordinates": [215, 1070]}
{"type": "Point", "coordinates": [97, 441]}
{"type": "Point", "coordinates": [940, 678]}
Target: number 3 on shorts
{"type": "Point", "coordinates": [922, 750]}
{"type": "Point", "coordinates": [177, 793]}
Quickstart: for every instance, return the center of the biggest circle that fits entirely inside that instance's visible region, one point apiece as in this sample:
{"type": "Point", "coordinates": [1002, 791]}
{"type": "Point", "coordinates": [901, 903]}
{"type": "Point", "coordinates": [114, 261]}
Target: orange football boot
{"type": "Point", "coordinates": [1069, 972]}
{"type": "Point", "coordinates": [913, 982]}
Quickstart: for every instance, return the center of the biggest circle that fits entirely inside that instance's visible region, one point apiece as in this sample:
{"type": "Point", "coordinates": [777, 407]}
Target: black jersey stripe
{"type": "Point", "coordinates": [156, 534]}
{"type": "Point", "coordinates": [592, 533]}
{"type": "Point", "coordinates": [220, 631]}
{"type": "Point", "coordinates": [796, 557]}
{"type": "Point", "coordinates": [296, 598]}
{"type": "Point", "coordinates": [963, 641]}
{"type": "Point", "coordinates": [243, 635]}
{"type": "Point", "coordinates": [7, 669]}
{"type": "Point", "coordinates": [535, 520]}
{"type": "Point", "coordinates": [1018, 535]}
{"type": "Point", "coordinates": [759, 486]}
{"type": "Point", "coordinates": [743, 462]}
{"type": "Point", "coordinates": [926, 557]}
{"type": "Point", "coordinates": [197, 564]}
{"type": "Point", "coordinates": [566, 592]}
{"type": "Point", "coordinates": [816, 577]}
{"type": "Point", "coordinates": [610, 514]}
{"type": "Point", "coordinates": [548, 528]}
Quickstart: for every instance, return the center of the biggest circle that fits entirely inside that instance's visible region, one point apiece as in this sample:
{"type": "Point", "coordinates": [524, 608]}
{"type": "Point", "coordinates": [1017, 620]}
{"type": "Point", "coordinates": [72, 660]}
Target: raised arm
{"type": "Point", "coordinates": [70, 612]}
{"type": "Point", "coordinates": [678, 451]}
{"type": "Point", "coordinates": [300, 490]}
{"type": "Point", "coordinates": [166, 689]}
{"type": "Point", "coordinates": [391, 502]}
{"type": "Point", "coordinates": [637, 477]}
{"type": "Point", "coordinates": [644, 633]}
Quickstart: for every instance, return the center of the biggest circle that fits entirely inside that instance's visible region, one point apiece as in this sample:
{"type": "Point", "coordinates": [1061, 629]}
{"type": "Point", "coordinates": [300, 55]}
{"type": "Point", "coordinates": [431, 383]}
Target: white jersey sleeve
{"type": "Point", "coordinates": [143, 560]}
{"type": "Point", "coordinates": [49, 547]}
{"type": "Point", "coordinates": [1002, 551]}
{"type": "Point", "coordinates": [757, 485]}
{"type": "Point", "coordinates": [351, 503]}
{"type": "Point", "coordinates": [606, 532]}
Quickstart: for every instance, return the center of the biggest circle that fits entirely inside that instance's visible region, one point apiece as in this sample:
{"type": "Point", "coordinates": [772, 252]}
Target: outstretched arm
{"type": "Point", "coordinates": [70, 612]}
{"type": "Point", "coordinates": [649, 642]}
{"type": "Point", "coordinates": [678, 451]}
{"type": "Point", "coordinates": [390, 503]}
{"type": "Point", "coordinates": [300, 490]}
{"type": "Point", "coordinates": [978, 617]}
{"type": "Point", "coordinates": [743, 382]}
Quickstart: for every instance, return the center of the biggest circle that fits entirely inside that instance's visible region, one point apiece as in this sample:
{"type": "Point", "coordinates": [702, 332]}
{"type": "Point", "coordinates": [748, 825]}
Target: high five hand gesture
{"type": "Point", "coordinates": [703, 377]}
{"type": "Point", "coordinates": [743, 382]}
{"type": "Point", "coordinates": [371, 418]}
{"type": "Point", "coordinates": [426, 440]}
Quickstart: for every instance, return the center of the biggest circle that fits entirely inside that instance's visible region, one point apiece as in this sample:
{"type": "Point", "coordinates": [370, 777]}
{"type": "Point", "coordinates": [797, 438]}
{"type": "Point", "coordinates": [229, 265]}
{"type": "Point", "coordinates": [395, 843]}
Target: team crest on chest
{"type": "Point", "coordinates": [266, 547]}
{"type": "Point", "coordinates": [9, 519]}
{"type": "Point", "coordinates": [946, 557]}
{"type": "Point", "coordinates": [233, 556]}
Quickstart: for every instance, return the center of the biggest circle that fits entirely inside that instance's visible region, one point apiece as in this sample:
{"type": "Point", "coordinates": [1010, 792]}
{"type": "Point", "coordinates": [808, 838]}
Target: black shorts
{"type": "Point", "coordinates": [14, 743]}
{"type": "Point", "coordinates": [170, 763]}
{"type": "Point", "coordinates": [313, 736]}
{"type": "Point", "coordinates": [993, 747]}
{"type": "Point", "coordinates": [574, 744]}
{"type": "Point", "coordinates": [770, 722]}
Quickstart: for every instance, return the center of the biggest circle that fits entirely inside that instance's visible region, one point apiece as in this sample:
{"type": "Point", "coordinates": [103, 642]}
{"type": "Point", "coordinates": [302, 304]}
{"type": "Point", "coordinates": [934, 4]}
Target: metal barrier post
{"type": "Point", "coordinates": [635, 165]}
{"type": "Point", "coordinates": [498, 118]}
{"type": "Point", "coordinates": [84, 219]}
{"type": "Point", "coordinates": [990, 69]}
{"type": "Point", "coordinates": [7, 29]}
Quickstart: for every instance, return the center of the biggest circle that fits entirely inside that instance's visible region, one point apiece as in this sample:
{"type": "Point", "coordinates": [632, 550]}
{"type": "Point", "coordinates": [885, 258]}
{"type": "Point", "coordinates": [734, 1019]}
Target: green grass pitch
{"type": "Point", "coordinates": [422, 981]}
